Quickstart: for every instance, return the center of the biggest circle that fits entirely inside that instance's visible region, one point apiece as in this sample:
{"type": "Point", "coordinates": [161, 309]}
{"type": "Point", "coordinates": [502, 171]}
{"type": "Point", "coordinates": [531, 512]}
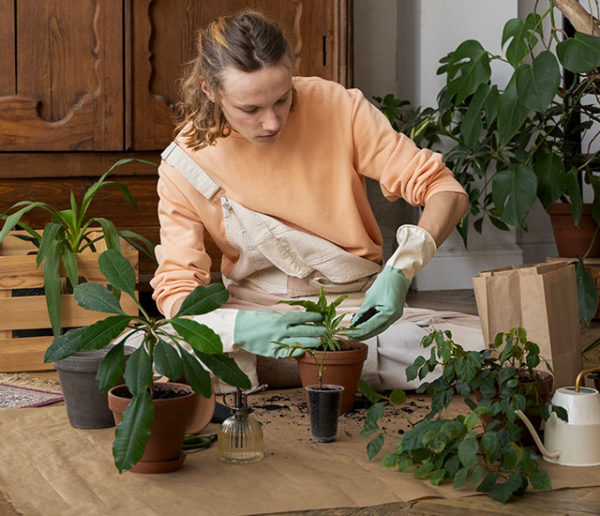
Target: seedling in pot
{"type": "Point", "coordinates": [160, 351]}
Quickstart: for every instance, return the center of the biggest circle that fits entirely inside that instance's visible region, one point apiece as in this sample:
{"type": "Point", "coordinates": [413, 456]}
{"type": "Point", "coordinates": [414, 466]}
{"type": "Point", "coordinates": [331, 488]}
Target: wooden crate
{"type": "Point", "coordinates": [29, 312]}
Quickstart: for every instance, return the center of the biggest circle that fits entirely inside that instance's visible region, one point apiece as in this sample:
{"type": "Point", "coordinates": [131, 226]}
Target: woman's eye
{"type": "Point", "coordinates": [251, 110]}
{"type": "Point", "coordinates": [282, 101]}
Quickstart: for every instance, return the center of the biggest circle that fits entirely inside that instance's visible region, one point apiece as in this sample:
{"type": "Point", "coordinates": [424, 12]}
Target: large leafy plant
{"type": "Point", "coordinates": [160, 351]}
{"type": "Point", "coordinates": [509, 144]}
{"type": "Point", "coordinates": [69, 232]}
{"type": "Point", "coordinates": [491, 455]}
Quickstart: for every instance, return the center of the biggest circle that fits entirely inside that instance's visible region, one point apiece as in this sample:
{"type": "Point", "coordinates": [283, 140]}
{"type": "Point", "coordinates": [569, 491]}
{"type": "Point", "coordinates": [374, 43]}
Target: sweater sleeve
{"type": "Point", "coordinates": [183, 261]}
{"type": "Point", "coordinates": [390, 157]}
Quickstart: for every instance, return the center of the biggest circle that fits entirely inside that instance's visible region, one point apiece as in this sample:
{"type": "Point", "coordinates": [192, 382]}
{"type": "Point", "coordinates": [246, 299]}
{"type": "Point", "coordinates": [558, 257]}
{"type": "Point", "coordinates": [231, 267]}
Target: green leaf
{"type": "Point", "coordinates": [225, 368]}
{"type": "Point", "coordinates": [514, 192]}
{"type": "Point", "coordinates": [118, 271]}
{"type": "Point", "coordinates": [537, 84]}
{"type": "Point", "coordinates": [64, 345]}
{"type": "Point", "coordinates": [511, 113]}
{"type": "Point", "coordinates": [50, 234]}
{"type": "Point", "coordinates": [368, 391]}
{"type": "Point", "coordinates": [52, 286]}
{"type": "Point", "coordinates": [138, 371]}
{"type": "Point", "coordinates": [111, 236]}
{"type": "Point", "coordinates": [98, 298]}
{"type": "Point", "coordinates": [101, 333]}
{"type": "Point", "coordinates": [460, 478]}
{"type": "Point", "coordinates": [195, 375]}
{"type": "Point", "coordinates": [374, 446]}
{"type": "Point", "coordinates": [110, 370]}
{"type": "Point", "coordinates": [551, 176]}
{"type": "Point", "coordinates": [574, 192]}
{"type": "Point", "coordinates": [580, 54]}
{"type": "Point", "coordinates": [424, 470]}
{"type": "Point", "coordinates": [390, 460]}
{"type": "Point", "coordinates": [467, 452]}
{"type": "Point", "coordinates": [397, 397]}
{"type": "Point", "coordinates": [133, 432]}
{"type": "Point", "coordinates": [473, 62]}
{"type": "Point", "coordinates": [204, 299]}
{"type": "Point", "coordinates": [503, 492]}
{"type": "Point", "coordinates": [374, 413]}
{"type": "Point", "coordinates": [587, 292]}
{"type": "Point", "coordinates": [477, 474]}
{"type": "Point", "coordinates": [488, 482]}
{"type": "Point", "coordinates": [471, 125]}
{"type": "Point", "coordinates": [199, 336]}
{"type": "Point", "coordinates": [167, 361]}
{"type": "Point", "coordinates": [541, 480]}
{"type": "Point", "coordinates": [12, 220]}
{"type": "Point", "coordinates": [69, 259]}
{"type": "Point", "coordinates": [489, 444]}
{"type": "Point", "coordinates": [512, 455]}
{"type": "Point", "coordinates": [437, 476]}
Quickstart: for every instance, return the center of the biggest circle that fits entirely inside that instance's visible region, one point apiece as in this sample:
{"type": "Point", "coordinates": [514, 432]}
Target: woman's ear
{"type": "Point", "coordinates": [207, 91]}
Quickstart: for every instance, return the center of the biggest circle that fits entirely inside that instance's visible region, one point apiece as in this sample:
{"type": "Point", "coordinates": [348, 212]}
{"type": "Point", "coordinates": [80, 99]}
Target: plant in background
{"type": "Point", "coordinates": [485, 444]}
{"type": "Point", "coordinates": [68, 233]}
{"type": "Point", "coordinates": [160, 351]}
{"type": "Point", "coordinates": [333, 339]}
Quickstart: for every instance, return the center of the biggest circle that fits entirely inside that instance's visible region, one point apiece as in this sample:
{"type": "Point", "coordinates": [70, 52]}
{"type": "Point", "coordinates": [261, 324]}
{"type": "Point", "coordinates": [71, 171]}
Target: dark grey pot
{"type": "Point", "coordinates": [324, 406]}
{"type": "Point", "coordinates": [86, 404]}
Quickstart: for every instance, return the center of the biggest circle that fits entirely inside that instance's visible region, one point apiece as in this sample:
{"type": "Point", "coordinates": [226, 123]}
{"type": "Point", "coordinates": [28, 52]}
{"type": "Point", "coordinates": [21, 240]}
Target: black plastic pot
{"type": "Point", "coordinates": [324, 405]}
{"type": "Point", "coordinates": [86, 404]}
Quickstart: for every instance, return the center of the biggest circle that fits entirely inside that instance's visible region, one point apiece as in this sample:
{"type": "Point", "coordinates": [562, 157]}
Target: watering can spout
{"type": "Point", "coordinates": [545, 453]}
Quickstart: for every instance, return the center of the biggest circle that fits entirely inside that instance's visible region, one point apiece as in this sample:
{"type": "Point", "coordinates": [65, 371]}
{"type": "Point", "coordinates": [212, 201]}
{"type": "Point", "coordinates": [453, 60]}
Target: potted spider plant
{"type": "Point", "coordinates": [152, 417]}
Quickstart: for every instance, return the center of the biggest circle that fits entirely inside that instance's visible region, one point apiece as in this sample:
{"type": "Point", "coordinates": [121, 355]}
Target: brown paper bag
{"type": "Point", "coordinates": [542, 299]}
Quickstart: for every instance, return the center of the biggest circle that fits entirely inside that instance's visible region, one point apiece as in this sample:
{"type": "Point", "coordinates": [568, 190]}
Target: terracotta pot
{"type": "Point", "coordinates": [573, 240]}
{"type": "Point", "coordinates": [163, 452]}
{"type": "Point", "coordinates": [340, 368]}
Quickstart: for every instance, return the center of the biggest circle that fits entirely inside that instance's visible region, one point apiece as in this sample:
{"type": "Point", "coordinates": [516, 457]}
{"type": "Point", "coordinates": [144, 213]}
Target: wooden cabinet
{"type": "Point", "coordinates": [85, 83]}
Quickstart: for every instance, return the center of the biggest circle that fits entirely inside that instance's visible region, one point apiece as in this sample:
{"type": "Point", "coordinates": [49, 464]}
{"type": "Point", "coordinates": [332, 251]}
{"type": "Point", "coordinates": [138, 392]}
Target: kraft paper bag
{"type": "Point", "coordinates": [542, 299]}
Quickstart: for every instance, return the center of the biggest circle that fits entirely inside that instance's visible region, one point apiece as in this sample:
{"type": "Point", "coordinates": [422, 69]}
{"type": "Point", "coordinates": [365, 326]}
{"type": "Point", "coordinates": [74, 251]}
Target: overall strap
{"type": "Point", "coordinates": [175, 156]}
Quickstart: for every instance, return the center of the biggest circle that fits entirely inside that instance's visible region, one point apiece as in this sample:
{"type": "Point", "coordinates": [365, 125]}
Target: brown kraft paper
{"type": "Point", "coordinates": [542, 299]}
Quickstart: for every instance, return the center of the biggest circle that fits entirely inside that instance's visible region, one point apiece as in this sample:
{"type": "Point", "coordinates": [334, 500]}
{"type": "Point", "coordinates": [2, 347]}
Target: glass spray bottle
{"type": "Point", "coordinates": [240, 438]}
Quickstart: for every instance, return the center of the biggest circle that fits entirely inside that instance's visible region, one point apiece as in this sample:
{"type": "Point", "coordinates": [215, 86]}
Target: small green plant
{"type": "Point", "coordinates": [484, 444]}
{"type": "Point", "coordinates": [333, 339]}
{"type": "Point", "coordinates": [161, 349]}
{"type": "Point", "coordinates": [68, 233]}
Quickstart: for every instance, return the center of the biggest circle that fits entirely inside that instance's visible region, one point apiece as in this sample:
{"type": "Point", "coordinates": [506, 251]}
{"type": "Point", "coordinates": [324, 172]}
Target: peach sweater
{"type": "Point", "coordinates": [312, 179]}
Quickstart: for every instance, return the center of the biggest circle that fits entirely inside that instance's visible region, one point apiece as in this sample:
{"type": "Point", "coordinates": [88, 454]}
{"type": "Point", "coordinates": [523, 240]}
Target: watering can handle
{"type": "Point", "coordinates": [536, 438]}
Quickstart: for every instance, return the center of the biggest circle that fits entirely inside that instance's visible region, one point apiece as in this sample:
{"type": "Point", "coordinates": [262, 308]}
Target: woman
{"type": "Point", "coordinates": [273, 167]}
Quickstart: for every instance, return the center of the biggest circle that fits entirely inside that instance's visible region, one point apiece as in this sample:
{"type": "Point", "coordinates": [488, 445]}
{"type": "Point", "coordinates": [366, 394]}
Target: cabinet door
{"type": "Point", "coordinates": [61, 75]}
{"type": "Point", "coordinates": [163, 40]}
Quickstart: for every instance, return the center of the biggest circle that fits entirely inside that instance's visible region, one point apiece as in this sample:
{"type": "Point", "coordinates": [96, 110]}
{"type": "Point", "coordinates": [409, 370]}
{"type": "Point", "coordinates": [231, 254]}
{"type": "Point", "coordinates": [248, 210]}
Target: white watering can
{"type": "Point", "coordinates": [575, 442]}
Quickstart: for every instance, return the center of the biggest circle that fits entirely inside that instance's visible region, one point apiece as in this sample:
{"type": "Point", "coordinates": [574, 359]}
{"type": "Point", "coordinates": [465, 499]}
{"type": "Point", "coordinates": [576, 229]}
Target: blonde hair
{"type": "Point", "coordinates": [247, 41]}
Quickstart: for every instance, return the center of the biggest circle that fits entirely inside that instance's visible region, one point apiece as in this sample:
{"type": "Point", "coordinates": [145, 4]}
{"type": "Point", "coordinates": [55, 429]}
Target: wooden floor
{"type": "Point", "coordinates": [584, 501]}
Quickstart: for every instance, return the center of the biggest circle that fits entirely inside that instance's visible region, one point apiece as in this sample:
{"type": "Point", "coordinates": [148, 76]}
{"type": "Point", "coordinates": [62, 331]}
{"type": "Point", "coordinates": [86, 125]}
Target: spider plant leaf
{"type": "Point", "coordinates": [52, 286]}
{"type": "Point", "coordinates": [69, 259]}
{"type": "Point", "coordinates": [147, 248]}
{"type": "Point", "coordinates": [111, 235]}
{"type": "Point", "coordinates": [12, 220]}
{"type": "Point", "coordinates": [50, 235]}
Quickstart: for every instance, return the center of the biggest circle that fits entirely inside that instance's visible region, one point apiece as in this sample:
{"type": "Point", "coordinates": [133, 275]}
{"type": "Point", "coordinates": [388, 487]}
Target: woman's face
{"type": "Point", "coordinates": [257, 104]}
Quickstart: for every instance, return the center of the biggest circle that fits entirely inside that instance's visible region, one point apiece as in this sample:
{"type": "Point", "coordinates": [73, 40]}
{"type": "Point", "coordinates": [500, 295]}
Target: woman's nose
{"type": "Point", "coordinates": [270, 121]}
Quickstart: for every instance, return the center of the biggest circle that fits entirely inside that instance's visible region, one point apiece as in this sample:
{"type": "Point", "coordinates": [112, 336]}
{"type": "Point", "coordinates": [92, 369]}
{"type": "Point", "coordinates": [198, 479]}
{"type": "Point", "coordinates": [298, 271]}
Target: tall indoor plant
{"type": "Point", "coordinates": [70, 232]}
{"type": "Point", "coordinates": [160, 350]}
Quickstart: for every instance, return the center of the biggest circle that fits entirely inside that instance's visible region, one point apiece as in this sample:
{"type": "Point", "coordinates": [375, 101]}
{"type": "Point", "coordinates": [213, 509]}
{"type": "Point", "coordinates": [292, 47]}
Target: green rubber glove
{"type": "Point", "coordinates": [384, 301]}
{"type": "Point", "coordinates": [257, 331]}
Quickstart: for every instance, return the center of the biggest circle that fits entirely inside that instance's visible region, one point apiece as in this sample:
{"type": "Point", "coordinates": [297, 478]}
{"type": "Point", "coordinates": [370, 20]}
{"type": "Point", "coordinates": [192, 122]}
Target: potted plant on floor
{"type": "Point", "coordinates": [147, 412]}
{"type": "Point", "coordinates": [329, 373]}
{"type": "Point", "coordinates": [485, 444]}
{"type": "Point", "coordinates": [68, 248]}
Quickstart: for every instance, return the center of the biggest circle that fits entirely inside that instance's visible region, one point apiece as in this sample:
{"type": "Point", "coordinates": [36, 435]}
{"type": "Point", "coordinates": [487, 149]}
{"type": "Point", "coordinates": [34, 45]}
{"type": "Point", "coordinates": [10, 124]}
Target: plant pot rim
{"type": "Point", "coordinates": [113, 391]}
{"type": "Point", "coordinates": [358, 353]}
{"type": "Point", "coordinates": [326, 387]}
